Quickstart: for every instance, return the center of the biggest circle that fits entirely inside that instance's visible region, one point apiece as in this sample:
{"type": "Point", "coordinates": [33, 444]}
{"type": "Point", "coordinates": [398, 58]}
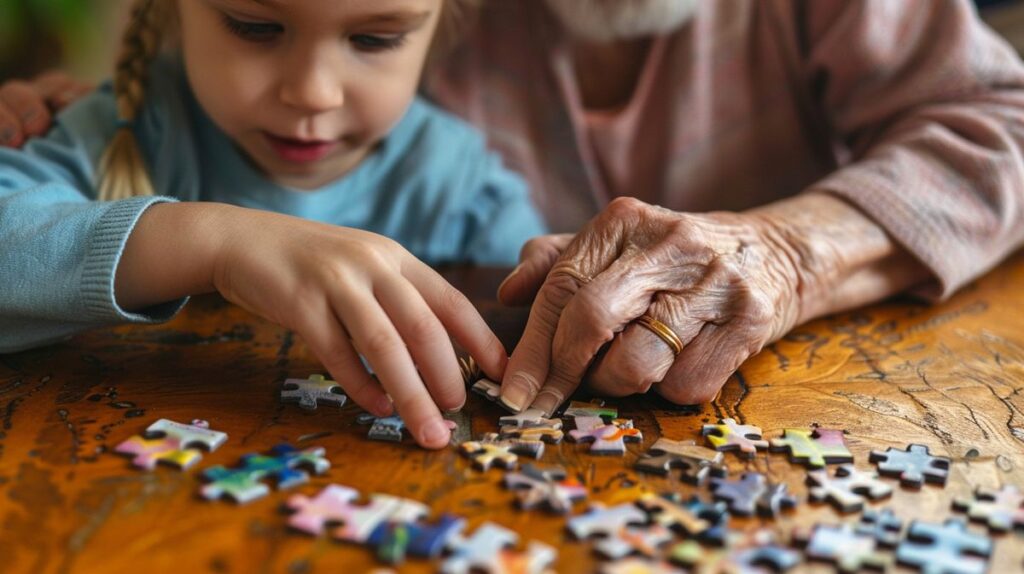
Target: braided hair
{"type": "Point", "coordinates": [123, 171]}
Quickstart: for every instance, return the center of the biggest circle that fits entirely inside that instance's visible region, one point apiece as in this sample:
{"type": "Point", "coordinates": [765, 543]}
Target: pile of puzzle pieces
{"type": "Point", "coordinates": [644, 531]}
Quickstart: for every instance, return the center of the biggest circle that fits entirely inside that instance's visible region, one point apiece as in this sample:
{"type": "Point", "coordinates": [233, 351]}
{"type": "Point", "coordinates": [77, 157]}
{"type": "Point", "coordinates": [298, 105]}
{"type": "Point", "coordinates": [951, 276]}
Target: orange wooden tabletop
{"type": "Point", "coordinates": [949, 376]}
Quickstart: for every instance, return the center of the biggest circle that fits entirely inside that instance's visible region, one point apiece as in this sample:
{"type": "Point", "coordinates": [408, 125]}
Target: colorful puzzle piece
{"type": "Point", "coordinates": [243, 484]}
{"type": "Point", "coordinates": [335, 506]}
{"type": "Point", "coordinates": [594, 408]}
{"type": "Point", "coordinates": [1001, 510]}
{"type": "Point", "coordinates": [913, 466]}
{"type": "Point", "coordinates": [492, 450]}
{"type": "Point", "coordinates": [605, 438]}
{"type": "Point", "coordinates": [382, 428]}
{"type": "Point", "coordinates": [732, 436]}
{"type": "Point", "coordinates": [395, 540]}
{"type": "Point", "coordinates": [843, 546]}
{"type": "Point", "coordinates": [848, 489]}
{"type": "Point", "coordinates": [815, 448]}
{"type": "Point", "coordinates": [944, 549]}
{"type": "Point", "coordinates": [548, 487]}
{"type": "Point", "coordinates": [489, 549]}
{"type": "Point", "coordinates": [752, 493]}
{"type": "Point", "coordinates": [168, 442]}
{"type": "Point", "coordinates": [696, 463]}
{"type": "Point", "coordinates": [883, 526]}
{"type": "Point", "coordinates": [312, 391]}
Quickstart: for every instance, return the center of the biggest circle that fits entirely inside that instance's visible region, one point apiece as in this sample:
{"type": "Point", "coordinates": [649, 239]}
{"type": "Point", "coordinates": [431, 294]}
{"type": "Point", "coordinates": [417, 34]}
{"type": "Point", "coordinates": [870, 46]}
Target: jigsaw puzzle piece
{"type": "Point", "coordinates": [639, 566]}
{"type": "Point", "coordinates": [395, 540]}
{"type": "Point", "coordinates": [729, 435]}
{"type": "Point", "coordinates": [1001, 510]}
{"type": "Point", "coordinates": [529, 418]}
{"type": "Point", "coordinates": [382, 428]}
{"type": "Point", "coordinates": [595, 408]}
{"type": "Point", "coordinates": [848, 489]}
{"type": "Point", "coordinates": [169, 442]}
{"type": "Point", "coordinates": [335, 507]}
{"type": "Point", "coordinates": [944, 549]}
{"type": "Point", "coordinates": [695, 463]}
{"type": "Point", "coordinates": [843, 546]}
{"type": "Point", "coordinates": [599, 520]}
{"type": "Point", "coordinates": [643, 540]}
{"type": "Point", "coordinates": [491, 450]}
{"type": "Point", "coordinates": [684, 518]}
{"type": "Point", "coordinates": [490, 549]}
{"type": "Point", "coordinates": [244, 483]}
{"type": "Point", "coordinates": [913, 466]}
{"type": "Point", "coordinates": [312, 391]}
{"type": "Point", "coordinates": [605, 438]}
{"type": "Point", "coordinates": [548, 487]}
{"type": "Point", "coordinates": [814, 448]}
{"type": "Point", "coordinates": [752, 493]}
{"type": "Point", "coordinates": [883, 526]}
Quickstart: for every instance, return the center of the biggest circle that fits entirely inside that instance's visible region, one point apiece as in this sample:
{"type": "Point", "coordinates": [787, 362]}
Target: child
{"type": "Point", "coordinates": [307, 168]}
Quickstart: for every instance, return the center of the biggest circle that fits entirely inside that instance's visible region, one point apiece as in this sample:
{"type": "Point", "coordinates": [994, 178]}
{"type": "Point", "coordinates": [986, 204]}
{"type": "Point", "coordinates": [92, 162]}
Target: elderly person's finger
{"type": "Point", "coordinates": [58, 89]}
{"type": "Point", "coordinates": [589, 253]}
{"type": "Point", "coordinates": [535, 261]}
{"type": "Point", "coordinates": [645, 351]}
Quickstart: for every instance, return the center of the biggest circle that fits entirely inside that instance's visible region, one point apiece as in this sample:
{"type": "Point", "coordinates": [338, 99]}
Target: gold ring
{"type": "Point", "coordinates": [583, 279]}
{"type": "Point", "coordinates": [663, 331]}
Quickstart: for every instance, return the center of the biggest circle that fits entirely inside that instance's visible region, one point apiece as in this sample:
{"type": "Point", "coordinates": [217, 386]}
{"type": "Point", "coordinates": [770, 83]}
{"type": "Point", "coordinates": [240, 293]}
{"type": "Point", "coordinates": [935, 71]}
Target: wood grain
{"type": "Point", "coordinates": [949, 376]}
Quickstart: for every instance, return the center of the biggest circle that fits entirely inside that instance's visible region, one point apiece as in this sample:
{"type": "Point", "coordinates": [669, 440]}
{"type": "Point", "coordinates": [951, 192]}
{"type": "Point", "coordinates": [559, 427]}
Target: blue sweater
{"type": "Point", "coordinates": [431, 185]}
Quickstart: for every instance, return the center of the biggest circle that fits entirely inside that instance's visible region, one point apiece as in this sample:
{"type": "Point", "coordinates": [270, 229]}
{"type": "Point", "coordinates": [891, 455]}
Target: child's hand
{"type": "Point", "coordinates": [349, 292]}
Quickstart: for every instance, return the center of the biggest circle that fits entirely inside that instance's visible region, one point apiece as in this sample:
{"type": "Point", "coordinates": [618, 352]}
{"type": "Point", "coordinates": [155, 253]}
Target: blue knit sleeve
{"type": "Point", "coordinates": [59, 249]}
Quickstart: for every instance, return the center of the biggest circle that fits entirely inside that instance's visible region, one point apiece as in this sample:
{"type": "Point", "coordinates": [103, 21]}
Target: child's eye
{"type": "Point", "coordinates": [377, 43]}
{"type": "Point", "coordinates": [253, 31]}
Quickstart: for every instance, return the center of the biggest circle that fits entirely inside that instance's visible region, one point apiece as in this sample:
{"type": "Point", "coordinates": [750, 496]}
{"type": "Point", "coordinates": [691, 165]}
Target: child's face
{"type": "Point", "coordinates": [306, 87]}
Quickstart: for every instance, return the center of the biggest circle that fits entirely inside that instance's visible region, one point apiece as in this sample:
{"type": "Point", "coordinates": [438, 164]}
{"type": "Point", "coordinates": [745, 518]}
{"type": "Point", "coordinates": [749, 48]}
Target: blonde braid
{"type": "Point", "coordinates": [123, 171]}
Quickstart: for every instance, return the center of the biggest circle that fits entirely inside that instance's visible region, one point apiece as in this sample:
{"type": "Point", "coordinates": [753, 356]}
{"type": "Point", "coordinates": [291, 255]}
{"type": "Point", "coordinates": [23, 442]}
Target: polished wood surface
{"type": "Point", "coordinates": [949, 376]}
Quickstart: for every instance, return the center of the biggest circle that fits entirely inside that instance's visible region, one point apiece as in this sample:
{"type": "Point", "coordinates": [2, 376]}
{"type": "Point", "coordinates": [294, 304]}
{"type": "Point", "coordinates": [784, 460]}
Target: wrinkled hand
{"type": "Point", "coordinates": [27, 107]}
{"type": "Point", "coordinates": [725, 283]}
{"type": "Point", "coordinates": [353, 293]}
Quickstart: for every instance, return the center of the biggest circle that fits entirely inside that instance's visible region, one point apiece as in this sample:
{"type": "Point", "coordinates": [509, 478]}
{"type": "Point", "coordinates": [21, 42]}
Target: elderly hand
{"type": "Point", "coordinates": [716, 286]}
{"type": "Point", "coordinates": [27, 107]}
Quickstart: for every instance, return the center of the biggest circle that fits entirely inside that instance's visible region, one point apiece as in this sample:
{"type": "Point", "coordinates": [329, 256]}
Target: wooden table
{"type": "Point", "coordinates": [949, 376]}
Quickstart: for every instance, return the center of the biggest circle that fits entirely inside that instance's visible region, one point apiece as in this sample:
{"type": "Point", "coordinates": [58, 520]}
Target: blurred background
{"type": "Point", "coordinates": [81, 36]}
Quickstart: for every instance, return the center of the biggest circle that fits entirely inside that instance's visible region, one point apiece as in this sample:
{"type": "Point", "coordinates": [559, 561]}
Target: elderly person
{"type": "Point", "coordinates": [723, 171]}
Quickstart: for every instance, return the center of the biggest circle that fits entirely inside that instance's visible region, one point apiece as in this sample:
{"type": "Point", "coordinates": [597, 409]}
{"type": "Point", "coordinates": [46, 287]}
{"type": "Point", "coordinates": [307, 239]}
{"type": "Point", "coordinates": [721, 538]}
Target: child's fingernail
{"type": "Point", "coordinates": [384, 406]}
{"type": "Point", "coordinates": [435, 432]}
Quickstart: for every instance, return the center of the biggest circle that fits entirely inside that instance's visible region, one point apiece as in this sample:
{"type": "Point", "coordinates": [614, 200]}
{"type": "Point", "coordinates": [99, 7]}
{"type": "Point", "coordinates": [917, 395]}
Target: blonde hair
{"type": "Point", "coordinates": [123, 171]}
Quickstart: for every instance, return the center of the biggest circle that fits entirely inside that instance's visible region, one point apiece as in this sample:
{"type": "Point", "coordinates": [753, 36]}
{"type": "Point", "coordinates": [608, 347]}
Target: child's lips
{"type": "Point", "coordinates": [300, 151]}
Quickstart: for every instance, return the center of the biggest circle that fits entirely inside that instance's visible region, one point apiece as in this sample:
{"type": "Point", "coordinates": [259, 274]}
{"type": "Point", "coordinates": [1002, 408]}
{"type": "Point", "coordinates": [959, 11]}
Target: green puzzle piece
{"type": "Point", "coordinates": [815, 448]}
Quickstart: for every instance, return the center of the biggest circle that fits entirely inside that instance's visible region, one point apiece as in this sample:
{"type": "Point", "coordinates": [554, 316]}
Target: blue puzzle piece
{"type": "Point", "coordinates": [243, 484]}
{"type": "Point", "coordinates": [396, 540]}
{"type": "Point", "coordinates": [944, 549]}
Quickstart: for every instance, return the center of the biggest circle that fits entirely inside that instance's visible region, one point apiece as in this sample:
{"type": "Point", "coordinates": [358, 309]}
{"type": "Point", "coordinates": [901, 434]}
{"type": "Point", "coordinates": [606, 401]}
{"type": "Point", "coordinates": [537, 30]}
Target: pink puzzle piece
{"type": "Point", "coordinates": [171, 443]}
{"type": "Point", "coordinates": [335, 505]}
{"type": "Point", "coordinates": [606, 438]}
{"type": "Point", "coordinates": [815, 447]}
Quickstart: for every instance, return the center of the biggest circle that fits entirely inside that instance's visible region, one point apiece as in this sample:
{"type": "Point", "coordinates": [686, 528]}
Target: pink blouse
{"type": "Point", "coordinates": [911, 110]}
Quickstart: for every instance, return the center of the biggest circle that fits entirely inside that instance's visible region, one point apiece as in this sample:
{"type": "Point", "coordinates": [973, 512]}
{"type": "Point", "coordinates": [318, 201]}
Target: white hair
{"type": "Point", "coordinates": [606, 20]}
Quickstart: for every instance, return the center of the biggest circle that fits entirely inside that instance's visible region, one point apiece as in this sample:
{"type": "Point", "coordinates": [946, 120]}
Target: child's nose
{"type": "Point", "coordinates": [313, 90]}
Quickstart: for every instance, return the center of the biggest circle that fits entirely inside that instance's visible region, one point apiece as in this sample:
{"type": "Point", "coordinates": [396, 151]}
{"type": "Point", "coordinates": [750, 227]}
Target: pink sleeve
{"type": "Point", "coordinates": [929, 104]}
